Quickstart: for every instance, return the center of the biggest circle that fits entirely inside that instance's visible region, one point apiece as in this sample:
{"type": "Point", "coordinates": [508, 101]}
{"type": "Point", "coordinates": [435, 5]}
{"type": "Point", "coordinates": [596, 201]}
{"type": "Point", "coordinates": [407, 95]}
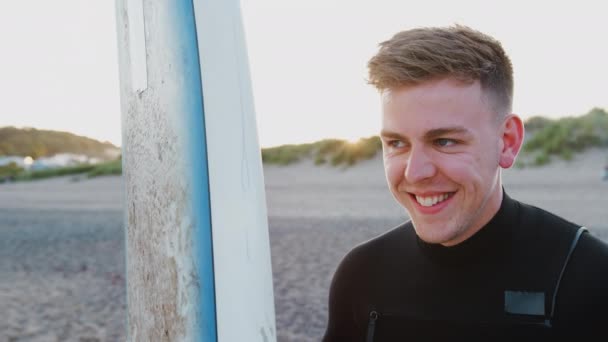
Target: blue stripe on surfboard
{"type": "Point", "coordinates": [197, 155]}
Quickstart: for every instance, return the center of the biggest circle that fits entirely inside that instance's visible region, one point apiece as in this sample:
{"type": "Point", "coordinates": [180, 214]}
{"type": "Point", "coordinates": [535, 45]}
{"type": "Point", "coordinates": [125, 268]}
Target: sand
{"type": "Point", "coordinates": [62, 271]}
{"type": "Point", "coordinates": [62, 274]}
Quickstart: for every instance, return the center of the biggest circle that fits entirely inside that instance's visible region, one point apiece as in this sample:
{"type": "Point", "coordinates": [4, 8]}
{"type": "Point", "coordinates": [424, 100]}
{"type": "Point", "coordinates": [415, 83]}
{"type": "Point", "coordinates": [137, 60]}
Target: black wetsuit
{"type": "Point", "coordinates": [498, 285]}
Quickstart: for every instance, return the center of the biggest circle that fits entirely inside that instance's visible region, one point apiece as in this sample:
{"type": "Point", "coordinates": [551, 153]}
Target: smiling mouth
{"type": "Point", "coordinates": [429, 201]}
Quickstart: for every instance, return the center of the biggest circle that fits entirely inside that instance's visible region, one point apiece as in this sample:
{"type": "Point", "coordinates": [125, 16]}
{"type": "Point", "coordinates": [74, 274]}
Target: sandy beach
{"type": "Point", "coordinates": [62, 273]}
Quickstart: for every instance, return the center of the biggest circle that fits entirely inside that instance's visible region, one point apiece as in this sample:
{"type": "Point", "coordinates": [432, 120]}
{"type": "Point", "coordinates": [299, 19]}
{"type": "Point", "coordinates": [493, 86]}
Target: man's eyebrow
{"type": "Point", "coordinates": [439, 132]}
{"type": "Point", "coordinates": [389, 134]}
{"type": "Point", "coordinates": [431, 134]}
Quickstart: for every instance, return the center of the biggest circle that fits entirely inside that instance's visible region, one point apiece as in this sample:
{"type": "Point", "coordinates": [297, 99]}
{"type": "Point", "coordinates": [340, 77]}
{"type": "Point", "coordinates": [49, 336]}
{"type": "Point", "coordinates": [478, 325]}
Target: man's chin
{"type": "Point", "coordinates": [428, 233]}
{"type": "Point", "coordinates": [435, 233]}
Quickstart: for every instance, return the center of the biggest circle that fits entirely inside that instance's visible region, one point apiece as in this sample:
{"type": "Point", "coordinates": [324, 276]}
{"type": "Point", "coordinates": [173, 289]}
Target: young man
{"type": "Point", "coordinates": [472, 263]}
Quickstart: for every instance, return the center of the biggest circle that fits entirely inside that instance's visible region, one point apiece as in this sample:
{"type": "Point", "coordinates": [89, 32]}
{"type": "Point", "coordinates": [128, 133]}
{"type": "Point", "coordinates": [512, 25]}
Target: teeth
{"type": "Point", "coordinates": [431, 200]}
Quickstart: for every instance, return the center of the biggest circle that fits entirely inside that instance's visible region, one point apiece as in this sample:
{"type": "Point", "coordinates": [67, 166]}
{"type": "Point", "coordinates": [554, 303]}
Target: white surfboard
{"type": "Point", "coordinates": [198, 256]}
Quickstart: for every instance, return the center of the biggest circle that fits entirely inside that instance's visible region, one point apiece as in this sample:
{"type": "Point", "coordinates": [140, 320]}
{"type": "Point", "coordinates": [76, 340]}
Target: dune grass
{"type": "Point", "coordinates": [9, 171]}
{"type": "Point", "coordinates": [105, 169]}
{"type": "Point", "coordinates": [334, 152]}
{"type": "Point", "coordinates": [563, 138]}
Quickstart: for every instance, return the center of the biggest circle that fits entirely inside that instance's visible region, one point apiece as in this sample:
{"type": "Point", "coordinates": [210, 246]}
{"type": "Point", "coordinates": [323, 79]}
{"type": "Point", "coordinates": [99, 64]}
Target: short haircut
{"type": "Point", "coordinates": [418, 55]}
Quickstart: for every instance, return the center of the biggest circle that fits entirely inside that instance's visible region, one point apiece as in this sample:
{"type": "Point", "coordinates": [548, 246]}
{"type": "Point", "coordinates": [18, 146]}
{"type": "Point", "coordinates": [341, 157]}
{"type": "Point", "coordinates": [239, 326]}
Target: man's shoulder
{"type": "Point", "coordinates": [544, 229]}
{"type": "Point", "coordinates": [541, 218]}
{"type": "Point", "coordinates": [550, 228]}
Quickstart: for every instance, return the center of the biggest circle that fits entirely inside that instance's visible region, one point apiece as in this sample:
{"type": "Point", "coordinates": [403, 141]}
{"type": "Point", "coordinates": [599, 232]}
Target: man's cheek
{"type": "Point", "coordinates": [393, 173]}
{"type": "Point", "coordinates": [465, 173]}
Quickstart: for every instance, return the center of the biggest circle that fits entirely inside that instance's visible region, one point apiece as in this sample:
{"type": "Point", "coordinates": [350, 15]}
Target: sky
{"type": "Point", "coordinates": [58, 61]}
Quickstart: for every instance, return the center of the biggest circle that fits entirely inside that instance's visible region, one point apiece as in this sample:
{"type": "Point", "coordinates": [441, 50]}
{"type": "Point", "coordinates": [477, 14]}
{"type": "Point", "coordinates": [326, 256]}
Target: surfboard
{"type": "Point", "coordinates": [198, 254]}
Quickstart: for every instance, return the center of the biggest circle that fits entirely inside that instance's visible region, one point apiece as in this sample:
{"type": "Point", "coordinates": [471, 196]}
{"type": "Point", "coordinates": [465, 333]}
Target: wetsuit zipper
{"type": "Point", "coordinates": [371, 326]}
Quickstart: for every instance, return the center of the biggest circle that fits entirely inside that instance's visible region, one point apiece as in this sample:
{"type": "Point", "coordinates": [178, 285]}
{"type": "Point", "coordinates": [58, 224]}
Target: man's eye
{"type": "Point", "coordinates": [444, 142]}
{"type": "Point", "coordinates": [396, 143]}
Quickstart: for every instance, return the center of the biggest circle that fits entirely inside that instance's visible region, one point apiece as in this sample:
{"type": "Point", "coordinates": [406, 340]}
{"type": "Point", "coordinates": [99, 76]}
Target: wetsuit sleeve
{"type": "Point", "coordinates": [341, 324]}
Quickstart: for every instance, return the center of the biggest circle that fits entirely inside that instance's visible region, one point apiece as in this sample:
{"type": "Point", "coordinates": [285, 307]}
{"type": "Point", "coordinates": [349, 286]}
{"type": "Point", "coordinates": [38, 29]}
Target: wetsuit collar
{"type": "Point", "coordinates": [489, 242]}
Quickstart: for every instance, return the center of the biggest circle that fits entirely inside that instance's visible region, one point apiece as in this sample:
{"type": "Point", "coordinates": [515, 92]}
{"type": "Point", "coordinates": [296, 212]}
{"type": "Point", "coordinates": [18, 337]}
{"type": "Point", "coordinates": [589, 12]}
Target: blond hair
{"type": "Point", "coordinates": [418, 55]}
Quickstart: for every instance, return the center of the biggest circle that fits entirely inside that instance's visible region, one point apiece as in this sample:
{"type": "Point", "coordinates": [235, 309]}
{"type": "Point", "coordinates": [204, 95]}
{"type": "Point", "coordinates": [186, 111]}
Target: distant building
{"type": "Point", "coordinates": [112, 153]}
{"type": "Point", "coordinates": [62, 160]}
{"type": "Point", "coordinates": [19, 161]}
{"type": "Point", "coordinates": [52, 162]}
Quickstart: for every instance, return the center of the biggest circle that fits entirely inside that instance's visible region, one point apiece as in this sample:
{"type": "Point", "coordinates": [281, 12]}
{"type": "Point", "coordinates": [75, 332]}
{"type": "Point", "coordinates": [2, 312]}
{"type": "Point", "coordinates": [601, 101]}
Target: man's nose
{"type": "Point", "coordinates": [419, 166]}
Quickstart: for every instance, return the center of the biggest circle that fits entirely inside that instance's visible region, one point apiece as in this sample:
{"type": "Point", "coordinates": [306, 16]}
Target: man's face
{"type": "Point", "coordinates": [441, 146]}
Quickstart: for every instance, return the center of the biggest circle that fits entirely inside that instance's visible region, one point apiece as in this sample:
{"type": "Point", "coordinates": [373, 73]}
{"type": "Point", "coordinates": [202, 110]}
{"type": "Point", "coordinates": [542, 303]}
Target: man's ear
{"type": "Point", "coordinates": [512, 138]}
